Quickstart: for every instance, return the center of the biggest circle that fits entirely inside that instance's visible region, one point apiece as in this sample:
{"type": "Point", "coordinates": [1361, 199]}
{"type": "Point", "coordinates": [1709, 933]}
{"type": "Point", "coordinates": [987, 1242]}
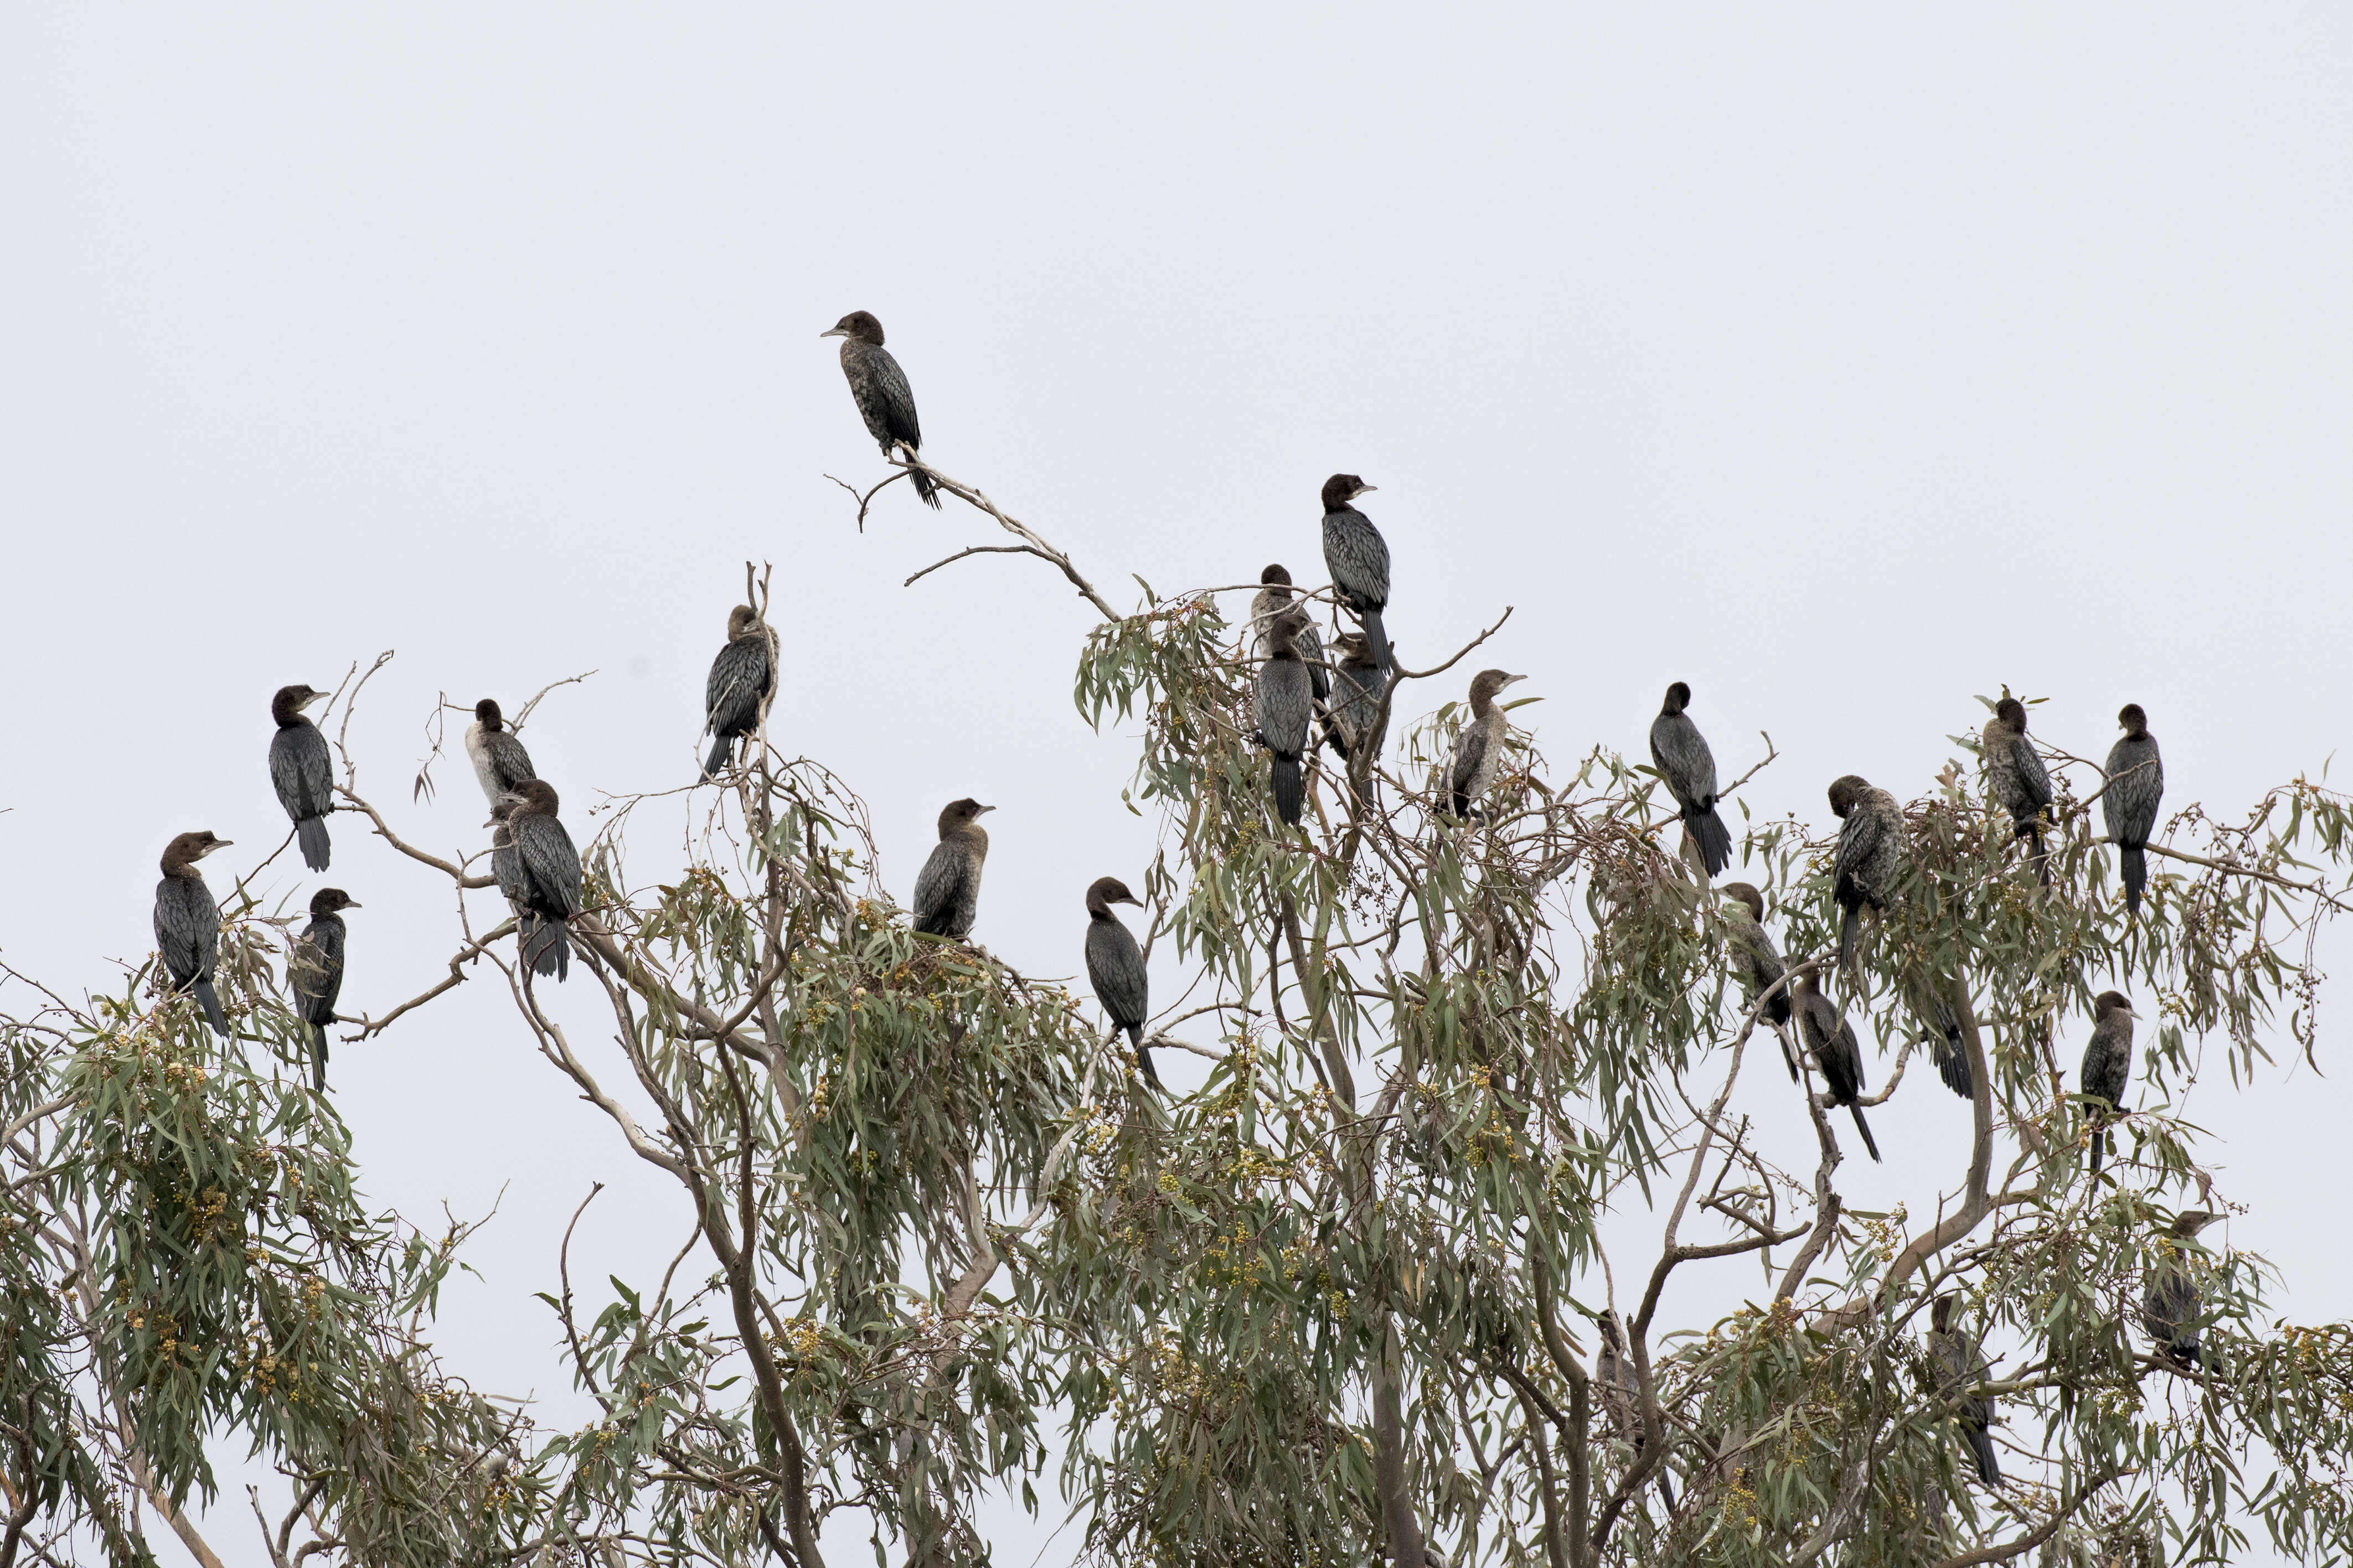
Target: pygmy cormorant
{"type": "Point", "coordinates": [548, 868]}
{"type": "Point", "coordinates": [1285, 701]}
{"type": "Point", "coordinates": [947, 890]}
{"type": "Point", "coordinates": [1359, 559]}
{"type": "Point", "coordinates": [1757, 962]}
{"type": "Point", "coordinates": [317, 971]}
{"type": "Point", "coordinates": [2168, 1309]}
{"type": "Point", "coordinates": [2107, 1064]}
{"type": "Point", "coordinates": [1267, 605]}
{"type": "Point", "coordinates": [1869, 849]}
{"type": "Point", "coordinates": [1115, 964]}
{"type": "Point", "coordinates": [1619, 1385]}
{"type": "Point", "coordinates": [740, 678]}
{"type": "Point", "coordinates": [1681, 755]}
{"type": "Point", "coordinates": [1355, 707]}
{"type": "Point", "coordinates": [2021, 785]}
{"type": "Point", "coordinates": [2136, 784]}
{"type": "Point", "coordinates": [1962, 1365]}
{"type": "Point", "coordinates": [300, 768]}
{"type": "Point", "coordinates": [506, 865]}
{"type": "Point", "coordinates": [1479, 745]}
{"type": "Point", "coordinates": [879, 389]}
{"type": "Point", "coordinates": [1831, 1040]}
{"type": "Point", "coordinates": [500, 761]}
{"type": "Point", "coordinates": [187, 922]}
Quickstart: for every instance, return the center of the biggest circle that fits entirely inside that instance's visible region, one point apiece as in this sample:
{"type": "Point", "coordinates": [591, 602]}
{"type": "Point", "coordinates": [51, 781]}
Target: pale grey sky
{"type": "Point", "coordinates": [1841, 362]}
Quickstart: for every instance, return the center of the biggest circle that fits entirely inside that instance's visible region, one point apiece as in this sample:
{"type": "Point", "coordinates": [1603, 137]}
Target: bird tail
{"type": "Point", "coordinates": [1865, 1128]}
{"type": "Point", "coordinates": [722, 749]}
{"type": "Point", "coordinates": [318, 1057]}
{"type": "Point", "coordinates": [2134, 865]}
{"type": "Point", "coordinates": [1665, 1491]}
{"type": "Point", "coordinates": [1143, 1057]}
{"type": "Point", "coordinates": [2097, 1138]}
{"type": "Point", "coordinates": [1290, 789]}
{"type": "Point", "coordinates": [1376, 638]}
{"type": "Point", "coordinates": [1789, 1057]}
{"type": "Point", "coordinates": [2035, 852]}
{"type": "Point", "coordinates": [1848, 928]}
{"type": "Point", "coordinates": [210, 1000]}
{"type": "Point", "coordinates": [1981, 1445]}
{"type": "Point", "coordinates": [312, 832]}
{"type": "Point", "coordinates": [1715, 841]}
{"type": "Point", "coordinates": [927, 489]}
{"type": "Point", "coordinates": [1951, 1057]}
{"type": "Point", "coordinates": [545, 947]}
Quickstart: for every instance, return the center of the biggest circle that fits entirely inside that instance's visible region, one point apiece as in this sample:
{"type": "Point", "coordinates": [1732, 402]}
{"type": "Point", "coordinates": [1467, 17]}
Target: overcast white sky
{"type": "Point", "coordinates": [1843, 362]}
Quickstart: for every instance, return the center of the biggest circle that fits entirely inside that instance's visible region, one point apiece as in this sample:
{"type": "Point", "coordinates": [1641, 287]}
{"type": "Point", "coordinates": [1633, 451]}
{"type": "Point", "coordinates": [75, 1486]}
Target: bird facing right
{"type": "Point", "coordinates": [1831, 1039]}
{"type": "Point", "coordinates": [1115, 965]}
{"type": "Point", "coordinates": [1479, 745]}
{"type": "Point", "coordinates": [187, 923]}
{"type": "Point", "coordinates": [1359, 559]}
{"type": "Point", "coordinates": [2136, 784]}
{"type": "Point", "coordinates": [2108, 1065]}
{"type": "Point", "coordinates": [316, 971]}
{"type": "Point", "coordinates": [947, 889]}
{"type": "Point", "coordinates": [1680, 752]}
{"type": "Point", "coordinates": [740, 678]}
{"type": "Point", "coordinates": [1871, 847]}
{"type": "Point", "coordinates": [299, 769]}
{"type": "Point", "coordinates": [879, 389]}
{"type": "Point", "coordinates": [1757, 962]}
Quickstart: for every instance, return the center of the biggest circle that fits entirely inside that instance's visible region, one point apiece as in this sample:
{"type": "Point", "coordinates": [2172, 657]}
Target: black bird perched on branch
{"type": "Point", "coordinates": [1359, 559]}
{"type": "Point", "coordinates": [187, 922]}
{"type": "Point", "coordinates": [1870, 849]}
{"type": "Point", "coordinates": [1680, 752]}
{"type": "Point", "coordinates": [1285, 701]}
{"type": "Point", "coordinates": [2107, 1064]}
{"type": "Point", "coordinates": [2021, 785]}
{"type": "Point", "coordinates": [1354, 718]}
{"type": "Point", "coordinates": [506, 865]}
{"type": "Point", "coordinates": [1115, 965]}
{"type": "Point", "coordinates": [1757, 962]}
{"type": "Point", "coordinates": [547, 869]}
{"type": "Point", "coordinates": [1962, 1363]}
{"type": "Point", "coordinates": [1479, 745]}
{"type": "Point", "coordinates": [317, 971]}
{"type": "Point", "coordinates": [879, 389]}
{"type": "Point", "coordinates": [500, 765]}
{"type": "Point", "coordinates": [1269, 604]}
{"type": "Point", "coordinates": [1946, 1049]}
{"type": "Point", "coordinates": [298, 767]}
{"type": "Point", "coordinates": [1831, 1038]}
{"type": "Point", "coordinates": [739, 679]}
{"type": "Point", "coordinates": [1619, 1383]}
{"type": "Point", "coordinates": [947, 889]}
{"type": "Point", "coordinates": [2136, 784]}
{"type": "Point", "coordinates": [2168, 1309]}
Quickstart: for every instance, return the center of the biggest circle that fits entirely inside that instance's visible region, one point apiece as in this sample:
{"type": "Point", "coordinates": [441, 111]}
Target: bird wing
{"type": "Point", "coordinates": [1115, 965]}
{"type": "Point", "coordinates": [187, 927]}
{"type": "Point", "coordinates": [318, 968]}
{"type": "Point", "coordinates": [943, 876]}
{"type": "Point", "coordinates": [1680, 754]}
{"type": "Point", "coordinates": [2033, 778]}
{"type": "Point", "coordinates": [299, 767]}
{"type": "Point", "coordinates": [1286, 704]}
{"type": "Point", "coordinates": [2129, 806]}
{"type": "Point", "coordinates": [885, 399]}
{"type": "Point", "coordinates": [739, 677]}
{"type": "Point", "coordinates": [1469, 755]}
{"type": "Point", "coordinates": [550, 863]}
{"type": "Point", "coordinates": [510, 763]}
{"type": "Point", "coordinates": [1356, 556]}
{"type": "Point", "coordinates": [1857, 840]}
{"type": "Point", "coordinates": [1309, 645]}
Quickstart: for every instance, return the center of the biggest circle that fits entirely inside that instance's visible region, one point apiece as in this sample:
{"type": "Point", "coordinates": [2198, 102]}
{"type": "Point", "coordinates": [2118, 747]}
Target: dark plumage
{"type": "Point", "coordinates": [1355, 715]}
{"type": "Point", "coordinates": [547, 872]}
{"type": "Point", "coordinates": [2168, 1308]}
{"type": "Point", "coordinates": [2108, 1065]}
{"type": "Point", "coordinates": [1359, 559]}
{"type": "Point", "coordinates": [2020, 784]}
{"type": "Point", "coordinates": [1115, 965]}
{"type": "Point", "coordinates": [1871, 847]}
{"type": "Point", "coordinates": [879, 389]}
{"type": "Point", "coordinates": [500, 765]}
{"type": "Point", "coordinates": [506, 865]}
{"type": "Point", "coordinates": [1946, 1049]}
{"type": "Point", "coordinates": [1757, 962]}
{"type": "Point", "coordinates": [1269, 604]}
{"type": "Point", "coordinates": [1617, 1385]}
{"type": "Point", "coordinates": [1961, 1364]}
{"type": "Point", "coordinates": [1286, 700]}
{"type": "Point", "coordinates": [740, 678]}
{"type": "Point", "coordinates": [947, 890]}
{"type": "Point", "coordinates": [300, 768]}
{"type": "Point", "coordinates": [2136, 784]}
{"type": "Point", "coordinates": [187, 923]}
{"type": "Point", "coordinates": [1831, 1040]}
{"type": "Point", "coordinates": [317, 971]}
{"type": "Point", "coordinates": [1479, 745]}
{"type": "Point", "coordinates": [1680, 754]}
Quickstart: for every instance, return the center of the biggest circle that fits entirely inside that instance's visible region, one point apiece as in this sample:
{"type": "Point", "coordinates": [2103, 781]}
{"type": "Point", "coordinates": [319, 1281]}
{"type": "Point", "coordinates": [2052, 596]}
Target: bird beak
{"type": "Point", "coordinates": [984, 811]}
{"type": "Point", "coordinates": [1367, 490]}
{"type": "Point", "coordinates": [1131, 899]}
{"type": "Point", "coordinates": [216, 843]}
{"type": "Point", "coordinates": [351, 904]}
{"type": "Point", "coordinates": [314, 697]}
{"type": "Point", "coordinates": [1514, 680]}
{"type": "Point", "coordinates": [834, 332]}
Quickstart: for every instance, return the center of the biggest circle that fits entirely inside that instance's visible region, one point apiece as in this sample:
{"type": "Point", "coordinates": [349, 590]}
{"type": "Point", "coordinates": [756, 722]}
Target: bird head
{"type": "Point", "coordinates": [1106, 891]}
{"type": "Point", "coordinates": [1845, 791]}
{"type": "Point", "coordinates": [1342, 489]}
{"type": "Point", "coordinates": [290, 701]}
{"type": "Point", "coordinates": [858, 326]}
{"type": "Point", "coordinates": [2012, 714]}
{"type": "Point", "coordinates": [2134, 721]}
{"type": "Point", "coordinates": [487, 711]}
{"type": "Point", "coordinates": [331, 900]}
{"type": "Point", "coordinates": [1745, 895]}
{"type": "Point", "coordinates": [1678, 698]}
